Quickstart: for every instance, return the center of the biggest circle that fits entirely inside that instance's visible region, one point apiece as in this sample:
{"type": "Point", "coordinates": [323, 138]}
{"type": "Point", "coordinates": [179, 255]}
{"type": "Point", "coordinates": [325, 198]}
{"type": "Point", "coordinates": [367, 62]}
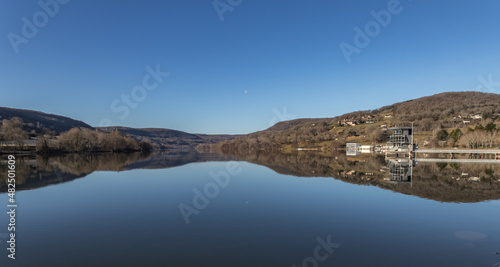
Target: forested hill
{"type": "Point", "coordinates": [36, 123]}
{"type": "Point", "coordinates": [38, 120]}
{"type": "Point", "coordinates": [445, 105]}
{"type": "Point", "coordinates": [168, 138]}
{"type": "Point", "coordinates": [442, 112]}
{"type": "Point", "coordinates": [428, 114]}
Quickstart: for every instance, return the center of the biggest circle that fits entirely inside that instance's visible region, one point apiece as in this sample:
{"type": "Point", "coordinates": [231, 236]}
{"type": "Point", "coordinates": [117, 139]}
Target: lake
{"type": "Point", "coordinates": [305, 209]}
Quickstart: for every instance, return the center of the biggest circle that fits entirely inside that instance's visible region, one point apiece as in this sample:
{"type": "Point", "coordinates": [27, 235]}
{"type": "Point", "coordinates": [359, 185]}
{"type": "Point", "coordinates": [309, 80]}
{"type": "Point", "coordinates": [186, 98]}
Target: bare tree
{"type": "Point", "coordinates": [474, 139]}
{"type": "Point", "coordinates": [492, 138]}
{"type": "Point", "coordinates": [12, 130]}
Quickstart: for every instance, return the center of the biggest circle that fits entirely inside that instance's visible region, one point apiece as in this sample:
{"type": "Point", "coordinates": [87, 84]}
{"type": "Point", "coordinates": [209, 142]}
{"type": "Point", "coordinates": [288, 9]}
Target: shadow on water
{"type": "Point", "coordinates": [439, 181]}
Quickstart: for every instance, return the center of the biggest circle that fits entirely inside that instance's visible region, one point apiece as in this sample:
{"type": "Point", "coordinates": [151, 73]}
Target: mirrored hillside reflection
{"type": "Point", "coordinates": [431, 178]}
{"type": "Point", "coordinates": [39, 171]}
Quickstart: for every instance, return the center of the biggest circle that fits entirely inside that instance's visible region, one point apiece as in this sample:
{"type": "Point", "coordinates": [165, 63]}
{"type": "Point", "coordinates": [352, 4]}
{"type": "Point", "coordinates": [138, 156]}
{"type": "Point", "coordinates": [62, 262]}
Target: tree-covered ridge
{"type": "Point", "coordinates": [36, 120]}
{"type": "Point", "coordinates": [15, 138]}
{"type": "Point", "coordinates": [37, 123]}
{"type": "Point", "coordinates": [454, 115]}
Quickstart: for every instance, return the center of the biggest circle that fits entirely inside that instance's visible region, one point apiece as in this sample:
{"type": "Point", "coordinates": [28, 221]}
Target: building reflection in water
{"type": "Point", "coordinates": [400, 170]}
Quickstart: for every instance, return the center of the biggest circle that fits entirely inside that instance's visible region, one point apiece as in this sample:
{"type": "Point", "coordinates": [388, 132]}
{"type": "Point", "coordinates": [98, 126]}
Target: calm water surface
{"type": "Point", "coordinates": [262, 216]}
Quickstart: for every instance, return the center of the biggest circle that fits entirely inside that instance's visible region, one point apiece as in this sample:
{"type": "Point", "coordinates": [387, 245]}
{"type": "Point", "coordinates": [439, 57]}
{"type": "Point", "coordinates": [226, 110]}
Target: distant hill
{"type": "Point", "coordinates": [283, 125]}
{"type": "Point", "coordinates": [216, 138]}
{"type": "Point", "coordinates": [169, 138]}
{"type": "Point", "coordinates": [440, 108]}
{"type": "Point", "coordinates": [162, 137]}
{"type": "Point", "coordinates": [38, 120]}
{"type": "Point", "coordinates": [441, 111]}
{"type": "Point", "coordinates": [446, 110]}
{"type": "Point", "coordinates": [449, 103]}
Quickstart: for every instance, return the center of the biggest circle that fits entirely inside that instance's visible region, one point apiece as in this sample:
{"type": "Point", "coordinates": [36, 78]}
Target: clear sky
{"type": "Point", "coordinates": [239, 66]}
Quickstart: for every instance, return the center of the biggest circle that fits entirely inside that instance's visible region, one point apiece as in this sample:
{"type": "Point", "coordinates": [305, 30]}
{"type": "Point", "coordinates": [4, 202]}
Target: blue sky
{"type": "Point", "coordinates": [265, 61]}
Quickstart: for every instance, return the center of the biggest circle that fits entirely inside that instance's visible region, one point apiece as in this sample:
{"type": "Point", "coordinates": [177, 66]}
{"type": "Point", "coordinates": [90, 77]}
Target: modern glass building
{"type": "Point", "coordinates": [401, 138]}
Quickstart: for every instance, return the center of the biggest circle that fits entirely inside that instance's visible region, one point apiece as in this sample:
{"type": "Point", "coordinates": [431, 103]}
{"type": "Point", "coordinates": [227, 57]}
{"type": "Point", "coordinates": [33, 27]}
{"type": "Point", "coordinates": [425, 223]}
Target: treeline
{"type": "Point", "coordinates": [75, 140]}
{"type": "Point", "coordinates": [86, 140]}
{"type": "Point", "coordinates": [481, 137]}
{"type": "Point", "coordinates": [478, 137]}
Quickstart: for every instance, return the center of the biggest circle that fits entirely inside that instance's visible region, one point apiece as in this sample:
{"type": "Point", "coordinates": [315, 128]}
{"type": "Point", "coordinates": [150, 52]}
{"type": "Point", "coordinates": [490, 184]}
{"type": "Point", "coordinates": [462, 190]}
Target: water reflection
{"type": "Point", "coordinates": [441, 181]}
{"type": "Point", "coordinates": [451, 181]}
{"type": "Point", "coordinates": [39, 171]}
{"type": "Point", "coordinates": [400, 170]}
